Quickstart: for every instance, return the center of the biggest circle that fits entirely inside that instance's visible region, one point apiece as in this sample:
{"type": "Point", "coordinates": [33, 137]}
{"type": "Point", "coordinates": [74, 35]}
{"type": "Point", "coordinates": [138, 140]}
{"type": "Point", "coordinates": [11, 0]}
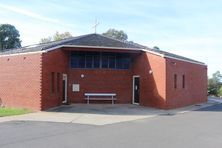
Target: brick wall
{"type": "Point", "coordinates": [101, 81]}
{"type": "Point", "coordinates": [151, 69]}
{"type": "Point", "coordinates": [195, 90]}
{"type": "Point", "coordinates": [25, 81]}
{"type": "Point", "coordinates": [20, 81]}
{"type": "Point", "coordinates": [94, 80]}
{"type": "Point", "coordinates": [55, 61]}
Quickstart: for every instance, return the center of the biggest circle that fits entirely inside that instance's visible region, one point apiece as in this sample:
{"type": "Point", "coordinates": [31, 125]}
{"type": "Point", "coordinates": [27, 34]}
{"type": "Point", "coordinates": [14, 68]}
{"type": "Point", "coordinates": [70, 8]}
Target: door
{"type": "Point", "coordinates": [136, 89]}
{"type": "Point", "coordinates": [64, 88]}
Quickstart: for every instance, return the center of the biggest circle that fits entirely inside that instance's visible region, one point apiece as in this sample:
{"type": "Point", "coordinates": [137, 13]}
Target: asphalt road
{"type": "Point", "coordinates": [199, 129]}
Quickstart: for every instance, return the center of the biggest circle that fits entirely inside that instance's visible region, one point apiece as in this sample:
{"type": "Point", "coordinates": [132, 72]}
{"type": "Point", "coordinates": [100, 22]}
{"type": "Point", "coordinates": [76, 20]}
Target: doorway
{"type": "Point", "coordinates": [64, 88]}
{"type": "Point", "coordinates": [136, 90]}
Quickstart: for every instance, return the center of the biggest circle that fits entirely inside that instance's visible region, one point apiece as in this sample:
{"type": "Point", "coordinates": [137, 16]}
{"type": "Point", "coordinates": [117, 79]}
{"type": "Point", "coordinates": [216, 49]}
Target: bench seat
{"type": "Point", "coordinates": [100, 96]}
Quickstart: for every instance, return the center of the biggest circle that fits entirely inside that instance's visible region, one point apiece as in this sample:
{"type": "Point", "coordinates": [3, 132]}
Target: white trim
{"type": "Point", "coordinates": [133, 99]}
{"type": "Point", "coordinates": [193, 62]}
{"type": "Point", "coordinates": [65, 77]}
{"type": "Point", "coordinates": [24, 53]}
{"type": "Point", "coordinates": [165, 56]}
{"type": "Point", "coordinates": [96, 47]}
{"type": "Point", "coordinates": [153, 52]}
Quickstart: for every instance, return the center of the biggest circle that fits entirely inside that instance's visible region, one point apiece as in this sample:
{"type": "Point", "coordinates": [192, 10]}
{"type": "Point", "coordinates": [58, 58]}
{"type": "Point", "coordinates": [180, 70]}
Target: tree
{"type": "Point", "coordinates": [56, 37]}
{"type": "Point", "coordinates": [9, 37]}
{"type": "Point", "coordinates": [117, 34]}
{"type": "Point", "coordinates": [220, 92]}
{"type": "Point", "coordinates": [215, 83]}
{"type": "Point", "coordinates": [45, 40]}
{"type": "Point", "coordinates": [156, 48]}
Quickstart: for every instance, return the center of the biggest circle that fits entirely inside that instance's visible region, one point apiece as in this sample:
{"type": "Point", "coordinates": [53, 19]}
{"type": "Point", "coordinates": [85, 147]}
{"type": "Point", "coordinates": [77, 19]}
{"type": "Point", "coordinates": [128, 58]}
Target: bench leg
{"type": "Point", "coordinates": [112, 100]}
{"type": "Point", "coordinates": [87, 99]}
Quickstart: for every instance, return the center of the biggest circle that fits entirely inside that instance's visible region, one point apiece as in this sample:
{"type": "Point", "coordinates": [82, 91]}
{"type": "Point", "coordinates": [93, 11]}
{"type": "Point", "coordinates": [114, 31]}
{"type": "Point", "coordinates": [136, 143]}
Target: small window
{"type": "Point", "coordinates": [183, 81]}
{"type": "Point", "coordinates": [175, 81]}
{"type": "Point", "coordinates": [105, 61]}
{"type": "Point", "coordinates": [82, 61]}
{"type": "Point", "coordinates": [89, 61]}
{"type": "Point", "coordinates": [112, 62]}
{"type": "Point", "coordinates": [75, 60]}
{"type": "Point", "coordinates": [58, 82]}
{"type": "Point", "coordinates": [52, 82]}
{"type": "Point", "coordinates": [96, 62]}
{"type": "Point", "coordinates": [126, 63]}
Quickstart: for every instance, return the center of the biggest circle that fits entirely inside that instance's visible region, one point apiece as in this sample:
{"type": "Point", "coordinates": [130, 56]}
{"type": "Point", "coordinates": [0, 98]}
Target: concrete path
{"type": "Point", "coordinates": [100, 114]}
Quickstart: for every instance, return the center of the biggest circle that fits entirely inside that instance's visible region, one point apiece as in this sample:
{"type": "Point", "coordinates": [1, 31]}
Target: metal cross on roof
{"type": "Point", "coordinates": [96, 25]}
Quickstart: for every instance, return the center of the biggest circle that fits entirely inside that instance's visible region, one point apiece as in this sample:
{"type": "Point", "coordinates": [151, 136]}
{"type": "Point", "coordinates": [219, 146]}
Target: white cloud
{"type": "Point", "coordinates": [28, 13]}
{"type": "Point", "coordinates": [34, 15]}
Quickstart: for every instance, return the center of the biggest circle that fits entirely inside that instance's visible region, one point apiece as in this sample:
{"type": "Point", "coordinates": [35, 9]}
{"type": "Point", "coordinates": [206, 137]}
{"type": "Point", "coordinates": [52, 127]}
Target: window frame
{"type": "Point", "coordinates": [104, 59]}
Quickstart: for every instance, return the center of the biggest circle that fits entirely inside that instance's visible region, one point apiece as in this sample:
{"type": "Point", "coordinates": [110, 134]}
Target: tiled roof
{"type": "Point", "coordinates": [93, 40]}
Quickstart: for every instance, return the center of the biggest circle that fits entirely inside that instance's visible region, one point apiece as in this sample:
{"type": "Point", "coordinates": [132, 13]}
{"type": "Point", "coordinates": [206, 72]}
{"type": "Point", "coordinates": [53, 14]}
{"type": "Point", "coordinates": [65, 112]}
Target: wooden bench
{"type": "Point", "coordinates": [100, 96]}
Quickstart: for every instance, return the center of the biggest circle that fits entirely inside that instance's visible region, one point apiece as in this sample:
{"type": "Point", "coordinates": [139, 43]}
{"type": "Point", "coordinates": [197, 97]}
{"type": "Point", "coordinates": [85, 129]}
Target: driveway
{"type": "Point", "coordinates": [196, 128]}
{"type": "Point", "coordinates": [102, 114]}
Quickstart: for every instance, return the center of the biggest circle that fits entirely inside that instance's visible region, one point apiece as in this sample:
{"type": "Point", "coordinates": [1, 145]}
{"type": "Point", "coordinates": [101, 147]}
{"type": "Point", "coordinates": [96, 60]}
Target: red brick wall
{"type": "Point", "coordinates": [152, 85]}
{"type": "Point", "coordinates": [101, 81]}
{"type": "Point", "coordinates": [195, 90]}
{"type": "Point", "coordinates": [95, 80]}
{"type": "Point", "coordinates": [54, 61]}
{"type": "Point", "coordinates": [25, 80]}
{"type": "Point", "coordinates": [20, 81]}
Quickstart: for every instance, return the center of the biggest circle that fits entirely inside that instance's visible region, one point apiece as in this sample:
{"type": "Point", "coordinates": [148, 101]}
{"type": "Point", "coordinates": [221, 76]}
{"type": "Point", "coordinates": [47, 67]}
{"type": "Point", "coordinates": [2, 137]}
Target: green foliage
{"type": "Point", "coordinates": [220, 92]}
{"type": "Point", "coordinates": [117, 34]}
{"type": "Point", "coordinates": [13, 111]}
{"type": "Point", "coordinates": [156, 48]}
{"type": "Point", "coordinates": [45, 40]}
{"type": "Point", "coordinates": [56, 37]}
{"type": "Point", "coordinates": [214, 84]}
{"type": "Point", "coordinates": [9, 37]}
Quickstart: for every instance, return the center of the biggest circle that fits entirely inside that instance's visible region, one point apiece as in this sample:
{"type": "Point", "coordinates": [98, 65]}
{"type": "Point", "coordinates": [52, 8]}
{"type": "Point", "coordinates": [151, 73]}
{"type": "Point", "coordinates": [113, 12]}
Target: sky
{"type": "Point", "coordinates": [190, 28]}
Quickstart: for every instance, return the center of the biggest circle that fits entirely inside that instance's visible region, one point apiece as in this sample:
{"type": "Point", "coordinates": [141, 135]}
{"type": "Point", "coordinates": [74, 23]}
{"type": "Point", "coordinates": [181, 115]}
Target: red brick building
{"type": "Point", "coordinates": [47, 75]}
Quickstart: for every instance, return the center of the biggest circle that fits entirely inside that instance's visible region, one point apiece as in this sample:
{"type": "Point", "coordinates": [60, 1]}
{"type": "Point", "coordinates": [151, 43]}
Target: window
{"type": "Point", "coordinates": [126, 63]}
{"type": "Point", "coordinates": [175, 81]}
{"type": "Point", "coordinates": [82, 60]}
{"type": "Point", "coordinates": [183, 81]}
{"type": "Point", "coordinates": [89, 61]}
{"type": "Point", "coordinates": [112, 62]}
{"type": "Point", "coordinates": [58, 82]}
{"type": "Point", "coordinates": [52, 82]}
{"type": "Point", "coordinates": [96, 62]}
{"type": "Point", "coordinates": [109, 60]}
{"type": "Point", "coordinates": [75, 60]}
{"type": "Point", "coordinates": [105, 60]}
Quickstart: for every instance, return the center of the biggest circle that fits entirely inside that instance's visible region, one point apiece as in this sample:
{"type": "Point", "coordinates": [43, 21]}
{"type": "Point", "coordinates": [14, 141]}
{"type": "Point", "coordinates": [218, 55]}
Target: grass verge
{"type": "Point", "coordinates": [13, 111]}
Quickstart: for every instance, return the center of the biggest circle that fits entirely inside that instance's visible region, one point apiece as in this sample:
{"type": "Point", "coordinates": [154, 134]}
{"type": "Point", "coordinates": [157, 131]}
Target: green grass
{"type": "Point", "coordinates": [13, 111]}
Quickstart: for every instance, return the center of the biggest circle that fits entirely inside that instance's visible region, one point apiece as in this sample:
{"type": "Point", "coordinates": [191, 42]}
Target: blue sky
{"type": "Point", "coordinates": [191, 28]}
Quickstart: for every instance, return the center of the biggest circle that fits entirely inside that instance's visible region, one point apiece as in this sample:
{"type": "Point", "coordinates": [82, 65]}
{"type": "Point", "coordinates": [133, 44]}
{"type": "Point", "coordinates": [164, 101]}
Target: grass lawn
{"type": "Point", "coordinates": [13, 111]}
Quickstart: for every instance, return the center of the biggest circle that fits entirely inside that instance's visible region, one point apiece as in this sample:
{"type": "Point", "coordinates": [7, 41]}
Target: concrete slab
{"type": "Point", "coordinates": [92, 114]}
{"type": "Point", "coordinates": [102, 114]}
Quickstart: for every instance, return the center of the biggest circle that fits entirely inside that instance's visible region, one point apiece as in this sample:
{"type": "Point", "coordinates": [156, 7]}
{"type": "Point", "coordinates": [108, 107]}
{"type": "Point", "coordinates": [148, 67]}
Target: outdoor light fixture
{"type": "Point", "coordinates": [82, 76]}
{"type": "Point", "coordinates": [173, 63]}
{"type": "Point", "coordinates": [150, 72]}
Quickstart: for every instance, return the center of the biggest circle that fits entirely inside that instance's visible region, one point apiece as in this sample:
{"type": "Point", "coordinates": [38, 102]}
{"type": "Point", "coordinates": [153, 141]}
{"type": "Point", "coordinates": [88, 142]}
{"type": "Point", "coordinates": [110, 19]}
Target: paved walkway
{"type": "Point", "coordinates": [94, 114]}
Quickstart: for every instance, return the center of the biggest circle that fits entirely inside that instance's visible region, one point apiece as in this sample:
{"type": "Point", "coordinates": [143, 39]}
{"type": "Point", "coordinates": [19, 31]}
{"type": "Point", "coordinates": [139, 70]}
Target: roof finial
{"type": "Point", "coordinates": [96, 25]}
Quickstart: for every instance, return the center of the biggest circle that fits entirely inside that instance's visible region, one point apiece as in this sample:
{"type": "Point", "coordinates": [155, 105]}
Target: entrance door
{"type": "Point", "coordinates": [136, 89]}
{"type": "Point", "coordinates": [64, 88]}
